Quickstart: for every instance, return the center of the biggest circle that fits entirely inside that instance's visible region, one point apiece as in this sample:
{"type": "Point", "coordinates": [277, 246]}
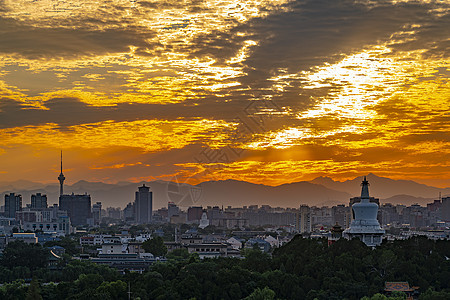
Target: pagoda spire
{"type": "Point", "coordinates": [61, 179]}
{"type": "Point", "coordinates": [365, 189]}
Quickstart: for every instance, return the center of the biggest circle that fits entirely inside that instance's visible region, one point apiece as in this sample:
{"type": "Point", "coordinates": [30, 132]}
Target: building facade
{"type": "Point", "coordinates": [60, 226]}
{"type": "Point", "coordinates": [445, 209]}
{"type": "Point", "coordinates": [38, 201]}
{"type": "Point", "coordinates": [13, 203]}
{"type": "Point", "coordinates": [97, 213]}
{"type": "Point", "coordinates": [143, 205]}
{"type": "Point", "coordinates": [78, 208]}
{"type": "Point", "coordinates": [303, 222]}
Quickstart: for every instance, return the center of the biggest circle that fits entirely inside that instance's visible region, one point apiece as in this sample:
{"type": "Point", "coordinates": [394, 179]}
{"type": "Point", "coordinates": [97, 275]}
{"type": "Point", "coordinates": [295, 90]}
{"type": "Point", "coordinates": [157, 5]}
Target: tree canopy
{"type": "Point", "coordinates": [155, 246]}
{"type": "Point", "coordinates": [302, 269]}
{"type": "Point", "coordinates": [20, 254]}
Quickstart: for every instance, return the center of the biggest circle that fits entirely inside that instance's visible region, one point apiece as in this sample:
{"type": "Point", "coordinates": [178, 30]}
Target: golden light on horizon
{"type": "Point", "coordinates": [151, 136]}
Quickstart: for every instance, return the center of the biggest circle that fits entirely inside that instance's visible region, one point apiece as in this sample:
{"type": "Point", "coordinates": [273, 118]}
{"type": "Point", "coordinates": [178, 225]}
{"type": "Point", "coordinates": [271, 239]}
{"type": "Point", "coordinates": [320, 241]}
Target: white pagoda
{"type": "Point", "coordinates": [204, 222]}
{"type": "Point", "coordinates": [365, 225]}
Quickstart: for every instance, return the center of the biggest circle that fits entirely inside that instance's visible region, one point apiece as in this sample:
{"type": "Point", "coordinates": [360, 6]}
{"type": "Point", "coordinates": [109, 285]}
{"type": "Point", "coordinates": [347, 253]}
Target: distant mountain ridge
{"type": "Point", "coordinates": [382, 187]}
{"type": "Point", "coordinates": [320, 191]}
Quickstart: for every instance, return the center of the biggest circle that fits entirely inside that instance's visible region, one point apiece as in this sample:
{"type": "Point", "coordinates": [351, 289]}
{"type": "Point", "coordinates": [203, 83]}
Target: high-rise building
{"type": "Point", "coordinates": [194, 213]}
{"type": "Point", "coordinates": [38, 201]}
{"type": "Point", "coordinates": [143, 205]}
{"type": "Point", "coordinates": [389, 214]}
{"type": "Point", "coordinates": [172, 210]}
{"type": "Point", "coordinates": [78, 208]}
{"type": "Point", "coordinates": [303, 223]}
{"type": "Point", "coordinates": [114, 213]}
{"type": "Point", "coordinates": [365, 225]}
{"type": "Point", "coordinates": [13, 203]}
{"type": "Point", "coordinates": [321, 216]}
{"type": "Point", "coordinates": [445, 209]}
{"type": "Point", "coordinates": [97, 213]}
{"type": "Point", "coordinates": [339, 214]}
{"type": "Point", "coordinates": [128, 213]}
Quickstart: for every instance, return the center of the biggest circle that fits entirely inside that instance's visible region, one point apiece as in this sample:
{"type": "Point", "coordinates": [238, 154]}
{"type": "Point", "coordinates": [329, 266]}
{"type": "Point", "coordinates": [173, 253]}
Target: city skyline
{"type": "Point", "coordinates": [319, 192]}
{"type": "Point", "coordinates": [268, 92]}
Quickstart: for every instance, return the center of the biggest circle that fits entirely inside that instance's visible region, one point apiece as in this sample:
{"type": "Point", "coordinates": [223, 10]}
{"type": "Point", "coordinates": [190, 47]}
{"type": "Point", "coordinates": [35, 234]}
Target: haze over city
{"type": "Point", "coordinates": [268, 92]}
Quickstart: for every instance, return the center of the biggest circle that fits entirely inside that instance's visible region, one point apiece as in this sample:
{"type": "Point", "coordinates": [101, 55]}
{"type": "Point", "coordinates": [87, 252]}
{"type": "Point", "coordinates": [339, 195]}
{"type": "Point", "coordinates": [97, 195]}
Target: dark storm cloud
{"type": "Point", "coordinates": [433, 36]}
{"type": "Point", "coordinates": [318, 31]}
{"type": "Point", "coordinates": [221, 45]}
{"type": "Point", "coordinates": [71, 111]}
{"type": "Point", "coordinates": [312, 32]}
{"type": "Point", "coordinates": [37, 42]}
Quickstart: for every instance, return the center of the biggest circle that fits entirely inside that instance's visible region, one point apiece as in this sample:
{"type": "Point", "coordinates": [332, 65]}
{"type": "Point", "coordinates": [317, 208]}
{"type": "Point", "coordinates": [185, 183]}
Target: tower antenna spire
{"type": "Point", "coordinates": [61, 179]}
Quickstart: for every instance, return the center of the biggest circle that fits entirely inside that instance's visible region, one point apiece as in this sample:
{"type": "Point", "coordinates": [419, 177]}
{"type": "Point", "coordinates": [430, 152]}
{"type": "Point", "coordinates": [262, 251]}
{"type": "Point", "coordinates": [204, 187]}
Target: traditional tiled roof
{"type": "Point", "coordinates": [398, 287]}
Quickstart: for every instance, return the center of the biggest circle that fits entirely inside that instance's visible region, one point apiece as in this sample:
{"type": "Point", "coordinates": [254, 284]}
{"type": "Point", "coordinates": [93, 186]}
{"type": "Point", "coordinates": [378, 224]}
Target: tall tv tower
{"type": "Point", "coordinates": [61, 179]}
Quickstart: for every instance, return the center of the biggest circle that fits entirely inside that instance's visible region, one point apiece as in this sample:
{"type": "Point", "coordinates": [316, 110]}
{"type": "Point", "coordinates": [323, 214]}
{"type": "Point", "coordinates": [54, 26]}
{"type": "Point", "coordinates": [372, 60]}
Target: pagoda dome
{"type": "Point", "coordinates": [365, 225]}
{"type": "Point", "coordinates": [365, 212]}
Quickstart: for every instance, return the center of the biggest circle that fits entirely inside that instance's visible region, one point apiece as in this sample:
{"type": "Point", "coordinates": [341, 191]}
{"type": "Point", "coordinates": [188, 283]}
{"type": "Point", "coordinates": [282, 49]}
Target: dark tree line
{"type": "Point", "coordinates": [302, 269]}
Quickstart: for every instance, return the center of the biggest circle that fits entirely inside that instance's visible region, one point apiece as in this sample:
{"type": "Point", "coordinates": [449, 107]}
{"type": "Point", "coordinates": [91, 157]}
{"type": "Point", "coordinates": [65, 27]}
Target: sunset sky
{"type": "Point", "coordinates": [264, 91]}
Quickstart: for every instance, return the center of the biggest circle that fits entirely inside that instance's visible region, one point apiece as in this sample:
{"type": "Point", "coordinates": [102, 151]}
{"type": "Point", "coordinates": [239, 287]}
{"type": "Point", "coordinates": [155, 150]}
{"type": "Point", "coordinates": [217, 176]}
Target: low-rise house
{"type": "Point", "coordinates": [206, 250]}
{"type": "Point", "coordinates": [111, 239]}
{"type": "Point", "coordinates": [260, 243]}
{"type": "Point", "coordinates": [126, 261]}
{"type": "Point", "coordinates": [191, 238]}
{"type": "Point", "coordinates": [401, 286]}
{"type": "Point", "coordinates": [247, 233]}
{"type": "Point", "coordinates": [28, 238]}
{"type": "Point", "coordinates": [87, 241]}
{"type": "Point", "coordinates": [135, 248]}
{"type": "Point", "coordinates": [7, 225]}
{"type": "Point", "coordinates": [47, 237]}
{"type": "Point", "coordinates": [172, 246]}
{"type": "Point", "coordinates": [143, 237]}
{"type": "Point", "coordinates": [113, 248]}
{"type": "Point", "coordinates": [99, 239]}
{"type": "Point", "coordinates": [53, 261]}
{"type": "Point", "coordinates": [235, 242]}
{"type": "Point", "coordinates": [57, 250]}
{"type": "Point", "coordinates": [274, 243]}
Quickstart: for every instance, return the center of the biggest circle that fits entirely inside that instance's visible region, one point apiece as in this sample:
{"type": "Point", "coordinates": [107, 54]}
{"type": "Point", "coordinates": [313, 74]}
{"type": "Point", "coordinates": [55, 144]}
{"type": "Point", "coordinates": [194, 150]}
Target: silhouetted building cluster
{"type": "Point", "coordinates": [35, 217]}
{"type": "Point", "coordinates": [71, 210]}
{"type": "Point", "coordinates": [77, 210]}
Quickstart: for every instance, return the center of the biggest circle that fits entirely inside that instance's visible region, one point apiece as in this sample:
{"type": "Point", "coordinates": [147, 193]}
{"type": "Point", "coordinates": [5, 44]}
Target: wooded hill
{"type": "Point", "coordinates": [302, 269]}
